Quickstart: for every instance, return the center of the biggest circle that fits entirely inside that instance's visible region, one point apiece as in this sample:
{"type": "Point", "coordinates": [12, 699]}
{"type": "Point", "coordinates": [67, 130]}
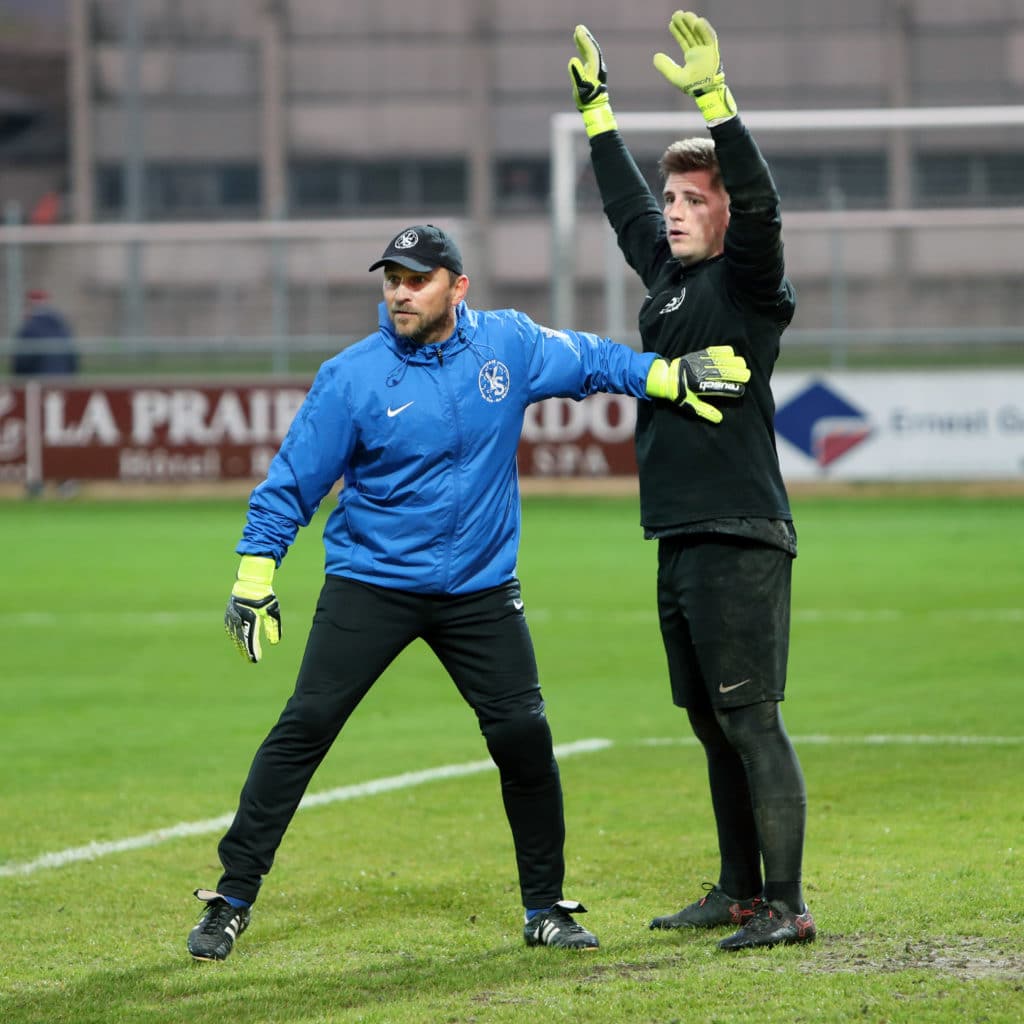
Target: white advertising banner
{"type": "Point", "coordinates": [900, 425]}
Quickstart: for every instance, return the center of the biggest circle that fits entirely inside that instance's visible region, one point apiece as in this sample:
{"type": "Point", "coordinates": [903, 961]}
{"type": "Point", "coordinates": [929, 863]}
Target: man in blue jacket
{"type": "Point", "coordinates": [422, 421]}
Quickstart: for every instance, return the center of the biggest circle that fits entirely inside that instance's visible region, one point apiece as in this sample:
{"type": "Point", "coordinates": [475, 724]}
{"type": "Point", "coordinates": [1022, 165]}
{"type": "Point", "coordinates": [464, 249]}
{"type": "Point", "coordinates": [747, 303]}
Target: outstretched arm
{"type": "Point", "coordinates": [714, 372]}
{"type": "Point", "coordinates": [574, 364]}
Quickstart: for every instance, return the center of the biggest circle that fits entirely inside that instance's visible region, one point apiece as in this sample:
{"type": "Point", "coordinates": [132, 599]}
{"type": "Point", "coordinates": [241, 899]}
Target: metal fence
{"type": "Point", "coordinates": [899, 281]}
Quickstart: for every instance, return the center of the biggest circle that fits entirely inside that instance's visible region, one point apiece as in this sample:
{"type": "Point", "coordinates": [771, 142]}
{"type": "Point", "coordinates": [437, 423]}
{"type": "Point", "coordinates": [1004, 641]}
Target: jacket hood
{"type": "Point", "coordinates": [466, 320]}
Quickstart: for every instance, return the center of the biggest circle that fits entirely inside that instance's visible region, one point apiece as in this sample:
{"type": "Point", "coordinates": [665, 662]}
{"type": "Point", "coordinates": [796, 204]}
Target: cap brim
{"type": "Point", "coordinates": [404, 261]}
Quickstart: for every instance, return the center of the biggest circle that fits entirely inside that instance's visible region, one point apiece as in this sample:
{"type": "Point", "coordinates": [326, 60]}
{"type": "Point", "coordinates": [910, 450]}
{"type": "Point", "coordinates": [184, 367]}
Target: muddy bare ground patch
{"type": "Point", "coordinates": [963, 957]}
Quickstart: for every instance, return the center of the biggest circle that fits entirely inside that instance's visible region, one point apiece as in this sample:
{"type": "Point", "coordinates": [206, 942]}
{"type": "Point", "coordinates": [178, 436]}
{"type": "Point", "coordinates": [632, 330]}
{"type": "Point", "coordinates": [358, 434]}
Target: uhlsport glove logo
{"type": "Point", "coordinates": [721, 386]}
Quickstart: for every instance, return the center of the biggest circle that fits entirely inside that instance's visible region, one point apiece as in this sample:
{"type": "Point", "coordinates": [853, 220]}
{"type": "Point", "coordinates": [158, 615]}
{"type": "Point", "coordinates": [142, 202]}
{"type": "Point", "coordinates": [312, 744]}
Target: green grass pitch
{"type": "Point", "coordinates": [126, 715]}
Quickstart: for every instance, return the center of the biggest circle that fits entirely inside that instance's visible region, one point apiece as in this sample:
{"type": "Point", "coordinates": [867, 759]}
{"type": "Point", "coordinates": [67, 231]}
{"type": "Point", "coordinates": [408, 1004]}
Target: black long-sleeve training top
{"type": "Point", "coordinates": [694, 476]}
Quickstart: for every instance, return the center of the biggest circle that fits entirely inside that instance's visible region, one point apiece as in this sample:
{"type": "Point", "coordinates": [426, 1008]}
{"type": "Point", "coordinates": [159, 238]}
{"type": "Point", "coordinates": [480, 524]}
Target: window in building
{"type": "Point", "coordinates": [239, 185]}
{"type": "Point", "coordinates": [1004, 178]}
{"type": "Point", "coordinates": [970, 179]}
{"type": "Point", "coordinates": [185, 190]}
{"type": "Point", "coordinates": [806, 182]}
{"type": "Point", "coordinates": [173, 188]}
{"type": "Point", "coordinates": [816, 182]}
{"type": "Point", "coordinates": [861, 179]}
{"type": "Point", "coordinates": [444, 184]}
{"type": "Point", "coordinates": [946, 179]}
{"type": "Point", "coordinates": [798, 180]}
{"type": "Point", "coordinates": [522, 184]}
{"type": "Point", "coordinates": [386, 184]}
{"type": "Point", "coordinates": [316, 185]}
{"type": "Point", "coordinates": [332, 187]}
{"type": "Point", "coordinates": [109, 193]}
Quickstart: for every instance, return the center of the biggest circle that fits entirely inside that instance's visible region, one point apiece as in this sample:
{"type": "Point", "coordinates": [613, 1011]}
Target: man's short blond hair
{"type": "Point", "coordinates": [695, 154]}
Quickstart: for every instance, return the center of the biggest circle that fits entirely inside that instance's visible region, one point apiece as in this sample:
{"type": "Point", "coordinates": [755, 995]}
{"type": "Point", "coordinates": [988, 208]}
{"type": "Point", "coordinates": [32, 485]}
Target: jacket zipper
{"type": "Point", "coordinates": [453, 472]}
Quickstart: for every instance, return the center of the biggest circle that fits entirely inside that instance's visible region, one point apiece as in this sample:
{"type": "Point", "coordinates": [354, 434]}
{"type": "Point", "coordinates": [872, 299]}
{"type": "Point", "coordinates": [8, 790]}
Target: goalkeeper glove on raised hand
{"type": "Point", "coordinates": [715, 372]}
{"type": "Point", "coordinates": [589, 77]}
{"type": "Point", "coordinates": [253, 607]}
{"type": "Point", "coordinates": [701, 76]}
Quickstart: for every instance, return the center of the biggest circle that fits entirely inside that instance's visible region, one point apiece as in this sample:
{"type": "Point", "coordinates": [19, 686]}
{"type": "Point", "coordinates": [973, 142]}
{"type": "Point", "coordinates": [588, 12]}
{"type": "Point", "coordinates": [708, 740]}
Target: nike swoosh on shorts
{"type": "Point", "coordinates": [722, 688]}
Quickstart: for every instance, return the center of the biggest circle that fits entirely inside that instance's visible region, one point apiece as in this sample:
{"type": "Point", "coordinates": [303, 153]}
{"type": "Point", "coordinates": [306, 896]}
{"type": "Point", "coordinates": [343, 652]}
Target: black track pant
{"type": "Point", "coordinates": [759, 799]}
{"type": "Point", "coordinates": [483, 641]}
{"type": "Point", "coordinates": [724, 606]}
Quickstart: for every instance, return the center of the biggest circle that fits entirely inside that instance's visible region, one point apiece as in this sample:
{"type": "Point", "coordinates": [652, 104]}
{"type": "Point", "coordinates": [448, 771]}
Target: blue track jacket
{"type": "Point", "coordinates": [425, 438]}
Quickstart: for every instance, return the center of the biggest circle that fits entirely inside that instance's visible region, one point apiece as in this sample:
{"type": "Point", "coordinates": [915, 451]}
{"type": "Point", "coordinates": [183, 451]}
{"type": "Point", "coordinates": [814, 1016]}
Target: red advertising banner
{"type": "Point", "coordinates": [592, 438]}
{"type": "Point", "coordinates": [13, 434]}
{"type": "Point", "coordinates": [180, 431]}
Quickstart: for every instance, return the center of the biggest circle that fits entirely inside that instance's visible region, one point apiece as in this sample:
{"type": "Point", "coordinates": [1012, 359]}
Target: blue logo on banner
{"type": "Point", "coordinates": [821, 424]}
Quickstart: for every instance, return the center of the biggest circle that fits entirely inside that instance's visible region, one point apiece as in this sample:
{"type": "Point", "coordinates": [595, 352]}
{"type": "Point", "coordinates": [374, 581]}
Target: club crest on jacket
{"type": "Point", "coordinates": [494, 380]}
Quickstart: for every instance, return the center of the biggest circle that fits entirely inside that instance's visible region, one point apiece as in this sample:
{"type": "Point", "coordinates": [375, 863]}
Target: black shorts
{"type": "Point", "coordinates": [723, 606]}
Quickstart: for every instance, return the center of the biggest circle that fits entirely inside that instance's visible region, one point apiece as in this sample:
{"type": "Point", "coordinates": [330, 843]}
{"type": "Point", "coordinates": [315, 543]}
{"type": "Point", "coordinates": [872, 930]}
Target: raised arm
{"type": "Point", "coordinates": [631, 208]}
{"type": "Point", "coordinates": [753, 241]}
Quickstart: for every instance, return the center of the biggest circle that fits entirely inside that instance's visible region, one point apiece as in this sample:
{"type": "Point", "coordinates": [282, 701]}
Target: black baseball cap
{"type": "Point", "coordinates": [422, 247]}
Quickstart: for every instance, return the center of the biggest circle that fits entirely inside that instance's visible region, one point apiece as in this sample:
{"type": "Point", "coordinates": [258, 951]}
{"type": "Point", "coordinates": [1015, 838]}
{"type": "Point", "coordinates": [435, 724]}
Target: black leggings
{"type": "Point", "coordinates": [483, 641]}
{"type": "Point", "coordinates": [758, 796]}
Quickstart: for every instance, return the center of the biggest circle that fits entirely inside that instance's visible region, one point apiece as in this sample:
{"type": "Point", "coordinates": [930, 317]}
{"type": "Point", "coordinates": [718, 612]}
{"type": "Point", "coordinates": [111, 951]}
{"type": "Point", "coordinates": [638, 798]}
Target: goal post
{"type": "Point", "coordinates": [567, 130]}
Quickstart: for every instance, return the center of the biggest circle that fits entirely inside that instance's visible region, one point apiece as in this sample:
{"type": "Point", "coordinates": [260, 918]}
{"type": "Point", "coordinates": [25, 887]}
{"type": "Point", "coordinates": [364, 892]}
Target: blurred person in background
{"type": "Point", "coordinates": [422, 421]}
{"type": "Point", "coordinates": [44, 342]}
{"type": "Point", "coordinates": [710, 254]}
{"type": "Point", "coordinates": [44, 346]}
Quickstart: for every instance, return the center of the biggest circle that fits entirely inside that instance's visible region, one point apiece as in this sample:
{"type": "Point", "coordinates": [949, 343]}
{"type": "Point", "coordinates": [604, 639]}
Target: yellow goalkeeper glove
{"type": "Point", "coordinates": [589, 77]}
{"type": "Point", "coordinates": [715, 372]}
{"type": "Point", "coordinates": [701, 75]}
{"type": "Point", "coordinates": [253, 607]}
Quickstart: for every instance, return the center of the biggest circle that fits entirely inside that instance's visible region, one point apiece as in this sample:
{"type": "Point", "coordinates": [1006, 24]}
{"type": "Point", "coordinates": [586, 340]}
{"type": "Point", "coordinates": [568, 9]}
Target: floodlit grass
{"type": "Point", "coordinates": [124, 711]}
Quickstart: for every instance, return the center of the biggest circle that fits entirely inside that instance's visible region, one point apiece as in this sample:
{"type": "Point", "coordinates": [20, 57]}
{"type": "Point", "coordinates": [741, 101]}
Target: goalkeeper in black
{"type": "Point", "coordinates": [710, 255]}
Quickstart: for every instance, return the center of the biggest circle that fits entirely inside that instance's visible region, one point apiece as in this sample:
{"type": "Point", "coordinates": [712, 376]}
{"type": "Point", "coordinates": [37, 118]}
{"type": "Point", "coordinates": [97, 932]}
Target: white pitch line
{"type": "Point", "coordinates": [94, 850]}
